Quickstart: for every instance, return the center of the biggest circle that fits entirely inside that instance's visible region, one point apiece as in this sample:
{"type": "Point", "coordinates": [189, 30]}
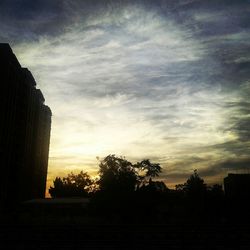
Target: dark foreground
{"type": "Point", "coordinates": [127, 224]}
{"type": "Point", "coordinates": [93, 233]}
{"type": "Point", "coordinates": [124, 237]}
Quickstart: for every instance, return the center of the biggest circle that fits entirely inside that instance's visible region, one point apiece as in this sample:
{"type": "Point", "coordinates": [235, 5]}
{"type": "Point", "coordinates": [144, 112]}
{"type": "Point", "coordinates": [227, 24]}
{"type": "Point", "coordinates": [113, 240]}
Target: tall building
{"type": "Point", "coordinates": [25, 123]}
{"type": "Point", "coordinates": [237, 186]}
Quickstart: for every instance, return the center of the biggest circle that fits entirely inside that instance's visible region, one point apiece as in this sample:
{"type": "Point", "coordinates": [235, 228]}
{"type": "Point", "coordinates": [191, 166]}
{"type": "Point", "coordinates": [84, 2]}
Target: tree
{"type": "Point", "coordinates": [117, 175]}
{"type": "Point", "coordinates": [147, 171]}
{"type": "Point", "coordinates": [152, 169]}
{"type": "Point", "coordinates": [71, 186]}
{"type": "Point", "coordinates": [195, 186]}
{"type": "Point", "coordinates": [180, 187]}
{"type": "Point", "coordinates": [154, 187]}
{"type": "Point", "coordinates": [215, 192]}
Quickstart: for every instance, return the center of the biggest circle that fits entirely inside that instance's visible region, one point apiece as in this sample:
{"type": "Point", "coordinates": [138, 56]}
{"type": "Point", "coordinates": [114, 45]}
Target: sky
{"type": "Point", "coordinates": [162, 80]}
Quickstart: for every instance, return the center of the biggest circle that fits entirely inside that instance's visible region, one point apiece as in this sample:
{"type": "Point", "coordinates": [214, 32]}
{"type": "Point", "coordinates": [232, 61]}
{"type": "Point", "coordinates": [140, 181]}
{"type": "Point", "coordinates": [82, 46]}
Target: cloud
{"type": "Point", "coordinates": [165, 80]}
{"type": "Point", "coordinates": [231, 165]}
{"type": "Point", "coordinates": [236, 164]}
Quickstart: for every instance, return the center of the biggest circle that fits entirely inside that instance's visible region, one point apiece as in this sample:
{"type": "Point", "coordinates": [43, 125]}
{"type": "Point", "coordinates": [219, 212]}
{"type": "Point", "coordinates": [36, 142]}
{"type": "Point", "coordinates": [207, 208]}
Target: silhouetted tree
{"type": "Point", "coordinates": [216, 190]}
{"type": "Point", "coordinates": [158, 186]}
{"type": "Point", "coordinates": [154, 187]}
{"type": "Point", "coordinates": [58, 190]}
{"type": "Point", "coordinates": [215, 194]}
{"type": "Point", "coordinates": [195, 186]}
{"type": "Point", "coordinates": [71, 186]}
{"type": "Point", "coordinates": [195, 191]}
{"type": "Point", "coordinates": [117, 175]}
{"type": "Point", "coordinates": [146, 171]}
{"type": "Point", "coordinates": [180, 187]}
{"type": "Point", "coordinates": [121, 176]}
{"type": "Point", "coordinates": [119, 182]}
{"type": "Point", "coordinates": [151, 169]}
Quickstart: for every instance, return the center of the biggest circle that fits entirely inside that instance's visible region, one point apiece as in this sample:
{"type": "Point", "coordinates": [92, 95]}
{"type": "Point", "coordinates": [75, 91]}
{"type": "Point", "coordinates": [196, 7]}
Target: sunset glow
{"type": "Point", "coordinates": [143, 81]}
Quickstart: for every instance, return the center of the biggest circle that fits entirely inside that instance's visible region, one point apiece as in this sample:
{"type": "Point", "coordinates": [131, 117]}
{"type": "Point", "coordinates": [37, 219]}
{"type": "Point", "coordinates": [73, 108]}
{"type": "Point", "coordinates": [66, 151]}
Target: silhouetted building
{"type": "Point", "coordinates": [25, 124]}
{"type": "Point", "coordinates": [237, 186]}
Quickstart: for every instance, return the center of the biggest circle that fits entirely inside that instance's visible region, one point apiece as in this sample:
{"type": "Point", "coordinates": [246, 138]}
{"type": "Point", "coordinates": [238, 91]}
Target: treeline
{"type": "Point", "coordinates": [116, 176]}
{"type": "Point", "coordinates": [119, 176]}
{"type": "Point", "coordinates": [131, 192]}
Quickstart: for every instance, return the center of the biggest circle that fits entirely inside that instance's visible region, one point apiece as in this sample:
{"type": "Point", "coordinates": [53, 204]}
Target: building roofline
{"type": "Point", "coordinates": [6, 52]}
{"type": "Point", "coordinates": [29, 77]}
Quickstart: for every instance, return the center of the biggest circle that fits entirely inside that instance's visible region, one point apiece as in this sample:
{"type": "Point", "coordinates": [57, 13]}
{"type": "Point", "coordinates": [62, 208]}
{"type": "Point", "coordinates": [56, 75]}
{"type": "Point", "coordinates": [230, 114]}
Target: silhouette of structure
{"type": "Point", "coordinates": [25, 124]}
{"type": "Point", "coordinates": [237, 186]}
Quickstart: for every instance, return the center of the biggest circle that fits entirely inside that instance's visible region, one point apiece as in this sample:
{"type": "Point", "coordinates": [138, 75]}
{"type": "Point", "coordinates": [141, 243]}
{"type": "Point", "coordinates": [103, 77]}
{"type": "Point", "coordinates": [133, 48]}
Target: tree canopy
{"type": "Point", "coordinates": [71, 186]}
{"type": "Point", "coordinates": [119, 175]}
{"type": "Point", "coordinates": [195, 184]}
{"type": "Point", "coordinates": [194, 187]}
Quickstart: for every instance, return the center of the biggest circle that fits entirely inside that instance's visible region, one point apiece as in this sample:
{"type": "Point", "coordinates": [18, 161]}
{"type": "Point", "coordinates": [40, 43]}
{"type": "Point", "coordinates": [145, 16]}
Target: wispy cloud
{"type": "Point", "coordinates": [144, 79]}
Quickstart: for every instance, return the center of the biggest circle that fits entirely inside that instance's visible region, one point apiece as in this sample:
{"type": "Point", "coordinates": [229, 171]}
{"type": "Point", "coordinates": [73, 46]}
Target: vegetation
{"type": "Point", "coordinates": [194, 187]}
{"type": "Point", "coordinates": [128, 202]}
{"type": "Point", "coordinates": [117, 175]}
{"type": "Point", "coordinates": [74, 185]}
{"type": "Point", "coordinates": [123, 188]}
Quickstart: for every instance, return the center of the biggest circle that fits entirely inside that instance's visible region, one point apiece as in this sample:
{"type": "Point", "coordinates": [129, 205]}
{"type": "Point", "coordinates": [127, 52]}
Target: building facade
{"type": "Point", "coordinates": [237, 186]}
{"type": "Point", "coordinates": [25, 123]}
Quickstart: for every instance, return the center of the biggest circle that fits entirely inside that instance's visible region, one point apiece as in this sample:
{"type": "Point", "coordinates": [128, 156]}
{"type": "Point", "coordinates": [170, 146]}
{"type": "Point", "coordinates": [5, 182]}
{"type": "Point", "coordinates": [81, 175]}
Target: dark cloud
{"type": "Point", "coordinates": [236, 164]}
{"type": "Point", "coordinates": [28, 20]}
{"type": "Point", "coordinates": [49, 17]}
{"type": "Point", "coordinates": [235, 148]}
{"type": "Point", "coordinates": [239, 117]}
{"type": "Point", "coordinates": [183, 166]}
{"type": "Point", "coordinates": [239, 165]}
{"type": "Point", "coordinates": [232, 165]}
{"type": "Point", "coordinates": [242, 127]}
